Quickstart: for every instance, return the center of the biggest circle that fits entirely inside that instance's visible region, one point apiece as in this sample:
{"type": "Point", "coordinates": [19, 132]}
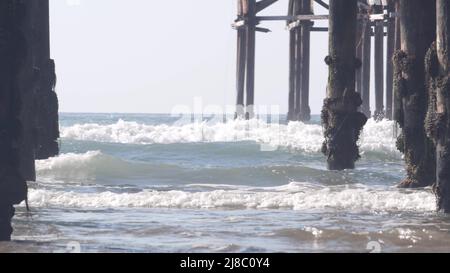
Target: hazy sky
{"type": "Point", "coordinates": [146, 56]}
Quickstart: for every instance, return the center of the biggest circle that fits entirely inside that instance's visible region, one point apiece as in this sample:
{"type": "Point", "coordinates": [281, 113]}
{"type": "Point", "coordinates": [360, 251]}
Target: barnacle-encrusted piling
{"type": "Point", "coordinates": [438, 121]}
{"type": "Point", "coordinates": [340, 116]}
{"type": "Point", "coordinates": [417, 34]}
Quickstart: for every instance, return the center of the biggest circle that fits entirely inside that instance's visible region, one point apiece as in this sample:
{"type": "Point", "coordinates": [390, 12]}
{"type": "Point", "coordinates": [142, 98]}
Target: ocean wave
{"type": "Point", "coordinates": [376, 137]}
{"type": "Point", "coordinates": [295, 196]}
{"type": "Point", "coordinates": [71, 165]}
{"type": "Point", "coordinates": [94, 165]}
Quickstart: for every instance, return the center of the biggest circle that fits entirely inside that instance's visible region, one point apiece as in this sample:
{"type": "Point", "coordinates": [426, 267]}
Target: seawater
{"type": "Point", "coordinates": [153, 183]}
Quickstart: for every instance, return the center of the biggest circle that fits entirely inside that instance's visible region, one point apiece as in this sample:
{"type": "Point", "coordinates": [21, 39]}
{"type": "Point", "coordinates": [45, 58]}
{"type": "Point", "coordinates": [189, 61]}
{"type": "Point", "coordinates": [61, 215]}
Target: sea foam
{"type": "Point", "coordinates": [295, 196]}
{"type": "Point", "coordinates": [376, 137]}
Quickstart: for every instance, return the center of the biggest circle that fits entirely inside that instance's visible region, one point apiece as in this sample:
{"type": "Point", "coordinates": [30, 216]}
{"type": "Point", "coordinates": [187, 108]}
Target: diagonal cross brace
{"type": "Point", "coordinates": [261, 5]}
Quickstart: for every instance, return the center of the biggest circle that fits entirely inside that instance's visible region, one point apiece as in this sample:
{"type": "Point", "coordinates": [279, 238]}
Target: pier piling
{"type": "Point", "coordinates": [15, 66]}
{"type": "Point", "coordinates": [240, 63]}
{"type": "Point", "coordinates": [389, 62]}
{"type": "Point", "coordinates": [251, 44]}
{"type": "Point", "coordinates": [47, 121]}
{"type": "Point", "coordinates": [305, 110]}
{"type": "Point", "coordinates": [366, 67]}
{"type": "Point", "coordinates": [379, 66]}
{"type": "Point", "coordinates": [340, 116]}
{"type": "Point", "coordinates": [298, 10]}
{"type": "Point", "coordinates": [292, 64]}
{"type": "Point", "coordinates": [417, 34]}
{"type": "Point", "coordinates": [28, 104]}
{"type": "Point", "coordinates": [438, 121]}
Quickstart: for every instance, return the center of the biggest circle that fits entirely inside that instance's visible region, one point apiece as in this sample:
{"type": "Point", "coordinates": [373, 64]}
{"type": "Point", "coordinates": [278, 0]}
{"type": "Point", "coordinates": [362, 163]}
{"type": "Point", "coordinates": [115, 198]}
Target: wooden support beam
{"type": "Point", "coordinates": [389, 61]}
{"type": "Point", "coordinates": [263, 4]}
{"type": "Point", "coordinates": [379, 72]}
{"type": "Point", "coordinates": [240, 66]}
{"type": "Point", "coordinates": [292, 77]}
{"type": "Point", "coordinates": [298, 63]}
{"type": "Point", "coordinates": [340, 116]}
{"type": "Point", "coordinates": [292, 66]}
{"type": "Point", "coordinates": [251, 42]}
{"type": "Point", "coordinates": [322, 3]}
{"type": "Point", "coordinates": [438, 125]}
{"type": "Point", "coordinates": [16, 112]}
{"type": "Point", "coordinates": [397, 102]}
{"type": "Point", "coordinates": [372, 17]}
{"type": "Point", "coordinates": [359, 54]}
{"type": "Point", "coordinates": [292, 18]}
{"type": "Point", "coordinates": [263, 30]}
{"type": "Point", "coordinates": [366, 68]}
{"type": "Point", "coordinates": [417, 34]}
{"type": "Point", "coordinates": [47, 118]}
{"type": "Point", "coordinates": [305, 110]}
{"type": "Point", "coordinates": [319, 29]}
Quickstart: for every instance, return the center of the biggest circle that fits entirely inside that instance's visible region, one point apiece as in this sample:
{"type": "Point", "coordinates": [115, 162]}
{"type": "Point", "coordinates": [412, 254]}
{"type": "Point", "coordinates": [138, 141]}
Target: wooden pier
{"type": "Point", "coordinates": [400, 85]}
{"type": "Point", "coordinates": [412, 84]}
{"type": "Point", "coordinates": [375, 23]}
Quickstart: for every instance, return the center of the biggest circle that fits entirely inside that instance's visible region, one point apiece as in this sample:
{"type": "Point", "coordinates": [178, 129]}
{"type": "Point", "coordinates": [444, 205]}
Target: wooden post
{"type": "Point", "coordinates": [438, 119]}
{"type": "Point", "coordinates": [397, 103]}
{"type": "Point", "coordinates": [251, 40]}
{"type": "Point", "coordinates": [389, 63]}
{"type": "Point", "coordinates": [16, 153]}
{"type": "Point", "coordinates": [366, 68]}
{"type": "Point", "coordinates": [47, 119]}
{"type": "Point", "coordinates": [340, 116]}
{"type": "Point", "coordinates": [379, 68]}
{"type": "Point", "coordinates": [305, 110]}
{"type": "Point", "coordinates": [240, 63]}
{"type": "Point", "coordinates": [298, 62]}
{"type": "Point", "coordinates": [417, 34]}
{"type": "Point", "coordinates": [359, 54]}
{"type": "Point", "coordinates": [292, 65]}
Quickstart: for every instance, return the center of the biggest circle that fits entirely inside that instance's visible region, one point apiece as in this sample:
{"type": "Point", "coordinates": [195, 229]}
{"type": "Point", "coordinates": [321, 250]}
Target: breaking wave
{"type": "Point", "coordinates": [377, 136]}
{"type": "Point", "coordinates": [295, 196]}
{"type": "Point", "coordinates": [94, 164]}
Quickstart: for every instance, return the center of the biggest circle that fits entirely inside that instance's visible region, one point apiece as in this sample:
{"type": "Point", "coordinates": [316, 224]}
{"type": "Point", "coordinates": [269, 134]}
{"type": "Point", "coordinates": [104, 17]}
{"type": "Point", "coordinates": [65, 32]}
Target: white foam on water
{"type": "Point", "coordinates": [71, 165]}
{"type": "Point", "coordinates": [295, 196]}
{"type": "Point", "coordinates": [376, 137]}
{"type": "Point", "coordinates": [68, 161]}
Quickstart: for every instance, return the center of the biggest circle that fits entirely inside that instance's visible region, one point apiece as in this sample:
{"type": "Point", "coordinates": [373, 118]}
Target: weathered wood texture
{"type": "Point", "coordinates": [438, 119]}
{"type": "Point", "coordinates": [340, 116]}
{"type": "Point", "coordinates": [379, 69]}
{"type": "Point", "coordinates": [245, 70]}
{"type": "Point", "coordinates": [366, 67]}
{"type": "Point", "coordinates": [359, 53]}
{"type": "Point", "coordinates": [389, 63]}
{"type": "Point", "coordinates": [28, 103]}
{"type": "Point", "coordinates": [240, 63]}
{"type": "Point", "coordinates": [47, 120]}
{"type": "Point", "coordinates": [251, 44]}
{"type": "Point", "coordinates": [305, 110]}
{"type": "Point", "coordinates": [298, 62]}
{"type": "Point", "coordinates": [417, 34]}
{"type": "Point", "coordinates": [397, 103]}
{"type": "Point", "coordinates": [15, 66]}
{"type": "Point", "coordinates": [292, 65]}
